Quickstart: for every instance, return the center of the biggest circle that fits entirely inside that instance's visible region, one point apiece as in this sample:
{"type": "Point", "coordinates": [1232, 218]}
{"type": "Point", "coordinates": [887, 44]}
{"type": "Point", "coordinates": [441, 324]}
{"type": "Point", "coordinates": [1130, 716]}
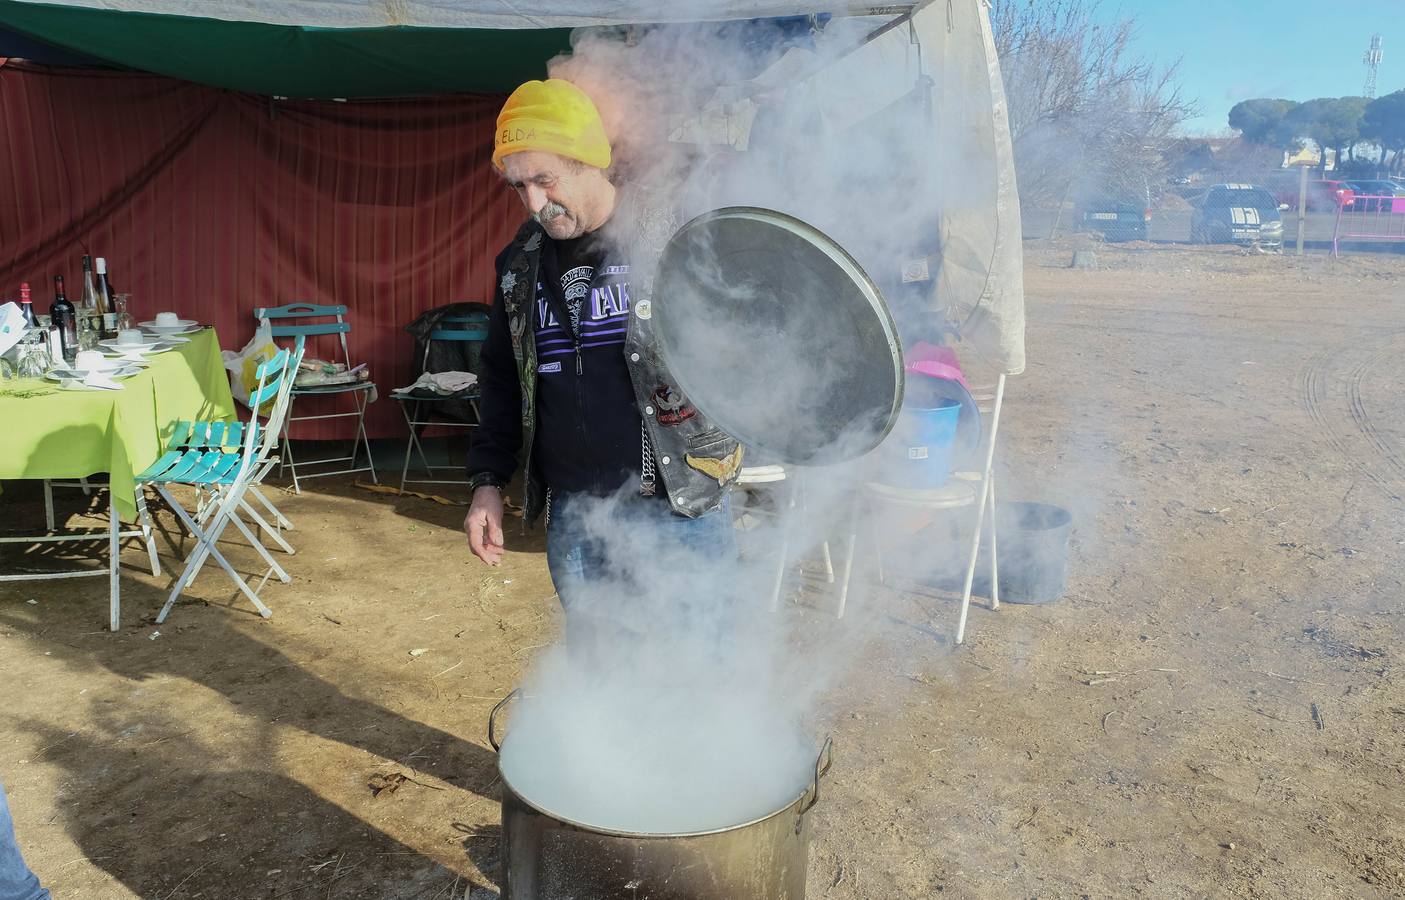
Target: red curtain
{"type": "Point", "coordinates": [210, 203]}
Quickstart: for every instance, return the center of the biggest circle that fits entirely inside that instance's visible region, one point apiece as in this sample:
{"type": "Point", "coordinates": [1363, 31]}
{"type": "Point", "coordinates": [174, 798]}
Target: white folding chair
{"type": "Point", "coordinates": [224, 480]}
{"type": "Point", "coordinates": [963, 489]}
{"type": "Point", "coordinates": [787, 492]}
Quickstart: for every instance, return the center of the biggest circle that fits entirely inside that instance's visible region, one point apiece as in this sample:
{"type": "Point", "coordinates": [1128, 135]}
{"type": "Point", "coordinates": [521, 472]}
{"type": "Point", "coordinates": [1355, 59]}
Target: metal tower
{"type": "Point", "coordinates": [1372, 59]}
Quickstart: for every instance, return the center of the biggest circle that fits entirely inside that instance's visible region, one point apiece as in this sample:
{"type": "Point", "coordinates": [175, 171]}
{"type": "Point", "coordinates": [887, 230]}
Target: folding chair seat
{"type": "Point", "coordinates": [423, 410]}
{"type": "Point", "coordinates": [281, 321]}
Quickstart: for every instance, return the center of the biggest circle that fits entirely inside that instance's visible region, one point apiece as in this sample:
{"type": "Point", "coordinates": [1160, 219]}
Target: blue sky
{"type": "Point", "coordinates": [1233, 50]}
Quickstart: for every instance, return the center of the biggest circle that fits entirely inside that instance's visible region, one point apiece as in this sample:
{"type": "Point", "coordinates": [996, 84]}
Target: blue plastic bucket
{"type": "Point", "coordinates": [921, 442]}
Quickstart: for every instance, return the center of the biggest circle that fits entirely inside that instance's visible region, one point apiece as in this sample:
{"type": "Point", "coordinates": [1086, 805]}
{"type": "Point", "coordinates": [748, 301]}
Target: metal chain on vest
{"type": "Point", "coordinates": [646, 478]}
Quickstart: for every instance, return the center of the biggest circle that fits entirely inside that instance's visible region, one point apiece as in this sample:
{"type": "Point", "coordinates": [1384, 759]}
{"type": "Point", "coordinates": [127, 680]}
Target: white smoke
{"type": "Point", "coordinates": [682, 701]}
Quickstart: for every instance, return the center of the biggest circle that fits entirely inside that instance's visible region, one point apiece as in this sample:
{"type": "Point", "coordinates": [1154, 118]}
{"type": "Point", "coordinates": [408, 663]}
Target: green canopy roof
{"type": "Point", "coordinates": [296, 60]}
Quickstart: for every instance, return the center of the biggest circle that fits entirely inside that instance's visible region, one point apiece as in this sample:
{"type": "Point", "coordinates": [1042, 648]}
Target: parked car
{"type": "Point", "coordinates": [1117, 219]}
{"type": "Point", "coordinates": [1237, 214]}
{"type": "Point", "coordinates": [1368, 197]}
{"type": "Point", "coordinates": [1323, 194]}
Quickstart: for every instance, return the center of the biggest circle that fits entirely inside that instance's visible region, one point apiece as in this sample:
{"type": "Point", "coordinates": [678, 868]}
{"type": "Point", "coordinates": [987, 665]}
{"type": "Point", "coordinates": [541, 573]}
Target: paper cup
{"type": "Point", "coordinates": [167, 318]}
{"type": "Point", "coordinates": [130, 337]}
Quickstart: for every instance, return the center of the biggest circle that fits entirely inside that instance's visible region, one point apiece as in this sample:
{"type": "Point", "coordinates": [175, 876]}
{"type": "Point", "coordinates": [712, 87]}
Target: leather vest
{"type": "Point", "coordinates": [694, 459]}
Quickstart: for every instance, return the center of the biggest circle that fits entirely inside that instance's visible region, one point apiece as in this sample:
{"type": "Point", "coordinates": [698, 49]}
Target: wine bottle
{"type": "Point", "coordinates": [65, 320]}
{"type": "Point", "coordinates": [90, 294]}
{"type": "Point", "coordinates": [27, 307]}
{"type": "Point", "coordinates": [104, 287]}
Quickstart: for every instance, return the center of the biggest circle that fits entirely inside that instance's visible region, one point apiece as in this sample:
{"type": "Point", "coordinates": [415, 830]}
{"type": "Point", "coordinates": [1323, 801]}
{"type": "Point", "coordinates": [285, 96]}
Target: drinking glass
{"type": "Point", "coordinates": [7, 370]}
{"type": "Point", "coordinates": [119, 306]}
{"type": "Point", "coordinates": [34, 360]}
{"type": "Point", "coordinates": [89, 332]}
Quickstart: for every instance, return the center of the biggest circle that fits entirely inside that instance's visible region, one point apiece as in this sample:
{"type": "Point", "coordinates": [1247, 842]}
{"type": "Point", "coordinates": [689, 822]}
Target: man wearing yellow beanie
{"type": "Point", "coordinates": [572, 381]}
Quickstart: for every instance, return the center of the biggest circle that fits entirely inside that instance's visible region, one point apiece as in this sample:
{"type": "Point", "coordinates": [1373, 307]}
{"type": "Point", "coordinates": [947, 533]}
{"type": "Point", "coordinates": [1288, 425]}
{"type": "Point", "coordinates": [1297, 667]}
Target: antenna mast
{"type": "Point", "coordinates": [1372, 59]}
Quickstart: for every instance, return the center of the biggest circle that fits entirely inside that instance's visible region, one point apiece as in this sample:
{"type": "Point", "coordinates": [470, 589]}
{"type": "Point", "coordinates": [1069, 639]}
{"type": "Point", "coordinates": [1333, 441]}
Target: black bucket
{"type": "Point", "coordinates": [1033, 548]}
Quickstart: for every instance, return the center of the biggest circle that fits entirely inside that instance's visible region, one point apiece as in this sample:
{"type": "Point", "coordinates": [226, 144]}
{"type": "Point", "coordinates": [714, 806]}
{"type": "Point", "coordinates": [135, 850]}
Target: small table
{"type": "Point", "coordinates": [47, 432]}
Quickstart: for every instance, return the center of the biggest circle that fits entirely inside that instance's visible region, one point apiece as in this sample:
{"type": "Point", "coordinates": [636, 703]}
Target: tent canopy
{"type": "Point", "coordinates": [349, 48]}
{"type": "Point", "coordinates": [944, 57]}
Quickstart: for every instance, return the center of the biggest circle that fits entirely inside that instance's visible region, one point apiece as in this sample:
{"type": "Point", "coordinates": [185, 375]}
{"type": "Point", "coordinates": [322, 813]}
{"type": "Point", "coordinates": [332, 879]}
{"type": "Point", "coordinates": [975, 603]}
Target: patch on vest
{"type": "Point", "coordinates": [643, 309]}
{"type": "Point", "coordinates": [724, 469]}
{"type": "Point", "coordinates": [673, 408]}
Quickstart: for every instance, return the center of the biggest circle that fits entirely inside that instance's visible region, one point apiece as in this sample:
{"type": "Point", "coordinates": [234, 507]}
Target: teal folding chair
{"type": "Point", "coordinates": [225, 478]}
{"type": "Point", "coordinates": [422, 409]}
{"type": "Point", "coordinates": [229, 436]}
{"type": "Point", "coordinates": [330, 320]}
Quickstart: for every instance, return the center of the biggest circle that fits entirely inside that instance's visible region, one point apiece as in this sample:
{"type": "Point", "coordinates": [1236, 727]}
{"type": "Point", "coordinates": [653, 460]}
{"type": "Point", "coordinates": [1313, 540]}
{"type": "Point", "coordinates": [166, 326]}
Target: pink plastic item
{"type": "Point", "coordinates": [938, 362]}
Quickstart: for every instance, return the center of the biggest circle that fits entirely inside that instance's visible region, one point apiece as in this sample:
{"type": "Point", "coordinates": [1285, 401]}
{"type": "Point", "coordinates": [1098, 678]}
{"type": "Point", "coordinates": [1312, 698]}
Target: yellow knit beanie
{"type": "Point", "coordinates": [554, 116]}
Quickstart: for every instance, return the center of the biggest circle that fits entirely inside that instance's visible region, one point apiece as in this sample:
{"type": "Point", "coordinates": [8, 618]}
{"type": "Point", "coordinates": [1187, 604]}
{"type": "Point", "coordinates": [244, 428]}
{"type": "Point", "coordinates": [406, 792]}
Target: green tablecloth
{"type": "Point", "coordinates": [49, 432]}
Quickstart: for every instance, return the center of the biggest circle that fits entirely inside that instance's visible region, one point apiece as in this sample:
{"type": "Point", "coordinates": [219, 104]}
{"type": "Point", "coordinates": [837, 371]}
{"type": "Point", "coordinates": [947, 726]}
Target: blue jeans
{"type": "Point", "coordinates": [16, 881]}
{"type": "Point", "coordinates": [617, 563]}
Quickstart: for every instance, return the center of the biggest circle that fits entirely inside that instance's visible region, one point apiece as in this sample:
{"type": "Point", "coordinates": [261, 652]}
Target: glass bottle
{"type": "Point", "coordinates": [64, 318]}
{"type": "Point", "coordinates": [119, 306]}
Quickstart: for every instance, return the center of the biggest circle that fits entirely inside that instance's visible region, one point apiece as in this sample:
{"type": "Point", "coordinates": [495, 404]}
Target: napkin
{"type": "Point", "coordinates": [12, 326]}
{"type": "Point", "coordinates": [101, 381]}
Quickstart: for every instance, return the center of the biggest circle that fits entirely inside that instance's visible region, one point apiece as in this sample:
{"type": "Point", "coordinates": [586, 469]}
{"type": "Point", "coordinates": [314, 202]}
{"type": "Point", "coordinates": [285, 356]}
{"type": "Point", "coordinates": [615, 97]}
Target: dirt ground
{"type": "Point", "coordinates": [1217, 707]}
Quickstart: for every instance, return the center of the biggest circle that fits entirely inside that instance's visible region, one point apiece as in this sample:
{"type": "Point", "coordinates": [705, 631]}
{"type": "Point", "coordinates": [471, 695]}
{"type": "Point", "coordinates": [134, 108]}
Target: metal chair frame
{"type": "Point", "coordinates": [451, 328]}
{"type": "Point", "coordinates": [360, 390]}
{"type": "Point", "coordinates": [226, 478]}
{"type": "Point", "coordinates": [228, 436]}
{"type": "Point", "coordinates": [960, 492]}
{"type": "Point", "coordinates": [789, 493]}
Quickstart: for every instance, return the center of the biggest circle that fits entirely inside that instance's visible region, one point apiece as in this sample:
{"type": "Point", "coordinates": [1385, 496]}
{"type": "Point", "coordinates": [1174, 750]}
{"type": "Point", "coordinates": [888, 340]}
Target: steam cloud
{"type": "Point", "coordinates": [683, 702]}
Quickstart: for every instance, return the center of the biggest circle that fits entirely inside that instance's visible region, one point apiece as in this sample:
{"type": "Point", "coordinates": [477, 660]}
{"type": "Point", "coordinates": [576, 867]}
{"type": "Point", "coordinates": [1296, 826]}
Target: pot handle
{"type": "Point", "coordinates": [822, 764]}
{"type": "Point", "coordinates": [493, 718]}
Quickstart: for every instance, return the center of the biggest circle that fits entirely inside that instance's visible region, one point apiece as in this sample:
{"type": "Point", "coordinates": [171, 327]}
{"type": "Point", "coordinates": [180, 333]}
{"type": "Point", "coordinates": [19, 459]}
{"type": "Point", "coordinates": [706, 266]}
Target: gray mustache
{"type": "Point", "coordinates": [549, 212]}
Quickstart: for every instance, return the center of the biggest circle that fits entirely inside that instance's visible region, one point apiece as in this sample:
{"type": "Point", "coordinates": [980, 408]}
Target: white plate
{"type": "Point", "coordinates": [113, 348]}
{"type": "Point", "coordinates": [107, 365]}
{"type": "Point", "coordinates": [67, 374]}
{"type": "Point", "coordinates": [150, 350]}
{"type": "Point", "coordinates": [184, 326]}
{"type": "Point", "coordinates": [151, 345]}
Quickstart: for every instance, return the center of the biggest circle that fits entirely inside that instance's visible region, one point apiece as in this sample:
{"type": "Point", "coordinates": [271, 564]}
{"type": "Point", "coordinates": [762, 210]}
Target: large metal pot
{"type": "Point", "coordinates": [547, 857]}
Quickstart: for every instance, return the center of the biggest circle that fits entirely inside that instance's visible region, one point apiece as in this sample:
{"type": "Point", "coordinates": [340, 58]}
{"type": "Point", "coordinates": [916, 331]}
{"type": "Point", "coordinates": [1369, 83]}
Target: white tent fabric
{"type": "Point", "coordinates": [477, 13]}
{"type": "Point", "coordinates": [976, 276]}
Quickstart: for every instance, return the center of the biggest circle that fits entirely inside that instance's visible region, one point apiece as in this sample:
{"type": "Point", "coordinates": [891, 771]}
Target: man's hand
{"type": "Point", "coordinates": [483, 525]}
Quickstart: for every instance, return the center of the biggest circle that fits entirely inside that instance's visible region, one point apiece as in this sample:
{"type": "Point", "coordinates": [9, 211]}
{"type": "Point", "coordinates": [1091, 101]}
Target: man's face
{"type": "Point", "coordinates": [567, 197]}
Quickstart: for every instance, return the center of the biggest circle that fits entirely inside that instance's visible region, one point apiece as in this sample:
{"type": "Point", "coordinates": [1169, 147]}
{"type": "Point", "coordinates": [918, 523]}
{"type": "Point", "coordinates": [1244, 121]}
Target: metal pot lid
{"type": "Point", "coordinates": [777, 334]}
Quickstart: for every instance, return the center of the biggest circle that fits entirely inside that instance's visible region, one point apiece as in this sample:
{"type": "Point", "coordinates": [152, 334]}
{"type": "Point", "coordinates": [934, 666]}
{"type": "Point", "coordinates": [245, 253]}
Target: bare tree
{"type": "Point", "coordinates": [1085, 112]}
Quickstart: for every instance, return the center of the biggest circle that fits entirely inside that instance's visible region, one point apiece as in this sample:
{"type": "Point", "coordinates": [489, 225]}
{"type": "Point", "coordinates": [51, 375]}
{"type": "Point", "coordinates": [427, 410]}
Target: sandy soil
{"type": "Point", "coordinates": [1228, 432]}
